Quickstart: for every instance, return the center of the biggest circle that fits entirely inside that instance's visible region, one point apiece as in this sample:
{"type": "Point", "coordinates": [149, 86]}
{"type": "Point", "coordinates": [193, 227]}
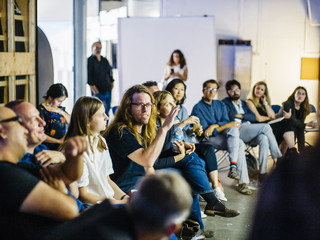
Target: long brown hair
{"type": "Point", "coordinates": [258, 102]}
{"type": "Point", "coordinates": [182, 61]}
{"type": "Point", "coordinates": [124, 118]}
{"type": "Point", "coordinates": [305, 106]}
{"type": "Point", "coordinates": [83, 110]}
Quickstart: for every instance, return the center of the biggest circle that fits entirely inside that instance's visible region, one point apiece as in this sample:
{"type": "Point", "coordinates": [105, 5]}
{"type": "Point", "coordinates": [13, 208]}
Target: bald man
{"type": "Point", "coordinates": [30, 207]}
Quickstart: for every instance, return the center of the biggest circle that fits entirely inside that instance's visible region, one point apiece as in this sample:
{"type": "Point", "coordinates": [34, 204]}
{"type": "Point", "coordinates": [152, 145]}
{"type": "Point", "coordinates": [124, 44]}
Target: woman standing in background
{"type": "Point", "coordinates": [175, 68]}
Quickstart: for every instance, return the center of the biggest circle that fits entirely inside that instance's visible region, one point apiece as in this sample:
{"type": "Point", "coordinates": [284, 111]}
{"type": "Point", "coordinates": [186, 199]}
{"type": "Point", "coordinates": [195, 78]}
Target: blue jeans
{"type": "Point", "coordinates": [195, 211]}
{"type": "Point", "coordinates": [106, 99]}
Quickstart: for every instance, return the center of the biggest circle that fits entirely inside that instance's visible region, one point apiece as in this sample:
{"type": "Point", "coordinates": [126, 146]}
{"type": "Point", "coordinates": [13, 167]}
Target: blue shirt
{"type": "Point", "coordinates": [209, 114]}
{"type": "Point", "coordinates": [248, 115]}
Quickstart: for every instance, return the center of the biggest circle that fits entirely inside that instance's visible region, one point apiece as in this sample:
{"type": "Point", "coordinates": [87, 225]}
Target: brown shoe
{"type": "Point", "coordinates": [243, 188]}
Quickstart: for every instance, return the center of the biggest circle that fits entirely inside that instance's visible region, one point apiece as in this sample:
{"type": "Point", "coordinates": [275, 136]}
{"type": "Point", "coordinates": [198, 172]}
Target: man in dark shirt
{"type": "Point", "coordinates": [100, 76]}
{"type": "Point", "coordinates": [29, 206]}
{"type": "Point", "coordinates": [253, 134]}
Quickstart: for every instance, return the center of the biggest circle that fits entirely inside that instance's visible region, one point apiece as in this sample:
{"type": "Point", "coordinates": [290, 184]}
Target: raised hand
{"type": "Point", "coordinates": [76, 146]}
{"type": "Point", "coordinates": [169, 122]}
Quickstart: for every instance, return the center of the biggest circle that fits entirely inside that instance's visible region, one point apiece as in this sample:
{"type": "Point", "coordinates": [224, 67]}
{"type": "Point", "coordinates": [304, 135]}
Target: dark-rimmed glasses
{"type": "Point", "coordinates": [143, 105]}
{"type": "Point", "coordinates": [16, 118]}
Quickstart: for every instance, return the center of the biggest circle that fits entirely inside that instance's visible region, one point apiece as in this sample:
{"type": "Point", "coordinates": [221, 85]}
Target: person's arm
{"type": "Point", "coordinates": [259, 118]}
{"type": "Point", "coordinates": [91, 81]}
{"type": "Point", "coordinates": [87, 197]}
{"type": "Point", "coordinates": [196, 111]}
{"type": "Point", "coordinates": [71, 169]}
{"type": "Point", "coordinates": [215, 129]}
{"type": "Point", "coordinates": [189, 120]}
{"type": "Point", "coordinates": [222, 110]}
{"type": "Point", "coordinates": [54, 140]}
{"type": "Point", "coordinates": [46, 201]}
{"type": "Point", "coordinates": [183, 76]}
{"type": "Point", "coordinates": [248, 115]}
{"type": "Point", "coordinates": [46, 157]}
{"type": "Point", "coordinates": [167, 72]}
{"type": "Point", "coordinates": [118, 193]}
{"type": "Point", "coordinates": [147, 157]}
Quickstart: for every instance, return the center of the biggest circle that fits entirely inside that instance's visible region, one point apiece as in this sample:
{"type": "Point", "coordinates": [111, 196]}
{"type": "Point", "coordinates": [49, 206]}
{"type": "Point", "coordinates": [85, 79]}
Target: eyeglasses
{"type": "Point", "coordinates": [16, 118]}
{"type": "Point", "coordinates": [211, 89]}
{"type": "Point", "coordinates": [143, 105]}
{"type": "Point", "coordinates": [234, 90]}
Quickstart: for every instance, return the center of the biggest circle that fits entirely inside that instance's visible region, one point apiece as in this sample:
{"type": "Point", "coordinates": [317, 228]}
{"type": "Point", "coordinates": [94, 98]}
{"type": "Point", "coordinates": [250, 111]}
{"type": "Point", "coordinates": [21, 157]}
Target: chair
{"type": "Point", "coordinates": [276, 108]}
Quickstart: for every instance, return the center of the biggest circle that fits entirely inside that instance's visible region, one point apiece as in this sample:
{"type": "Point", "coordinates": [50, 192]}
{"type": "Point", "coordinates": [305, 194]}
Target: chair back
{"type": "Point", "coordinates": [275, 108]}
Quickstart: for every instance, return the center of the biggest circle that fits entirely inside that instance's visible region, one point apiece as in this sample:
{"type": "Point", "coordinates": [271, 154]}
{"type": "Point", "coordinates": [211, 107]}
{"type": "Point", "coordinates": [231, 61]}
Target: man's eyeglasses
{"type": "Point", "coordinates": [16, 118]}
{"type": "Point", "coordinates": [211, 89]}
{"type": "Point", "coordinates": [143, 105]}
{"type": "Point", "coordinates": [234, 90]}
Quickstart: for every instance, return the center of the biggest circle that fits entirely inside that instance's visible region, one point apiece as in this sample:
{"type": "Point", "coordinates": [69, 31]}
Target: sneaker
{"type": "Point", "coordinates": [209, 233]}
{"type": "Point", "coordinates": [243, 188]}
{"type": "Point", "coordinates": [219, 194]}
{"type": "Point", "coordinates": [233, 174]}
{"type": "Point", "coordinates": [221, 210]}
{"type": "Point", "coordinates": [201, 199]}
{"type": "Point", "coordinates": [199, 235]}
{"type": "Point", "coordinates": [203, 215]}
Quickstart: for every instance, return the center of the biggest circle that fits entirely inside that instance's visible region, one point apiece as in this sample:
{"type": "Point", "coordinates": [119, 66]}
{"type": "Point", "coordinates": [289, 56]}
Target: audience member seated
{"type": "Point", "coordinates": [298, 104]}
{"type": "Point", "coordinates": [31, 207]}
{"type": "Point", "coordinates": [54, 115]}
{"type": "Point", "coordinates": [37, 153]}
{"type": "Point", "coordinates": [133, 141]}
{"type": "Point", "coordinates": [155, 211]}
{"type": "Point", "coordinates": [260, 105]}
{"type": "Point", "coordinates": [152, 86]}
{"type": "Point", "coordinates": [175, 68]}
{"type": "Point", "coordinates": [188, 162]}
{"type": "Point", "coordinates": [191, 127]}
{"type": "Point", "coordinates": [253, 134]}
{"type": "Point", "coordinates": [221, 133]}
{"type": "Point", "coordinates": [288, 204]}
{"type": "Point", "coordinates": [88, 119]}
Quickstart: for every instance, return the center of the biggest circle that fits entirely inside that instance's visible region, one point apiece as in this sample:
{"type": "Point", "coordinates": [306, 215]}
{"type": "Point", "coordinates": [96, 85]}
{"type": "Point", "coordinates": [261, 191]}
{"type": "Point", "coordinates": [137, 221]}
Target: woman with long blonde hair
{"type": "Point", "coordinates": [260, 105]}
{"type": "Point", "coordinates": [88, 119]}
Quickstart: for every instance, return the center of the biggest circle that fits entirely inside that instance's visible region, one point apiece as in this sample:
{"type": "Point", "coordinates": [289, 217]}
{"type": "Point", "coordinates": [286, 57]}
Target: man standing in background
{"type": "Point", "coordinates": [100, 76]}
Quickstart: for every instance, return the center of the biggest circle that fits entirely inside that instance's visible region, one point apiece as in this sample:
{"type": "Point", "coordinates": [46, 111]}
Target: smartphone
{"type": "Point", "coordinates": [172, 70]}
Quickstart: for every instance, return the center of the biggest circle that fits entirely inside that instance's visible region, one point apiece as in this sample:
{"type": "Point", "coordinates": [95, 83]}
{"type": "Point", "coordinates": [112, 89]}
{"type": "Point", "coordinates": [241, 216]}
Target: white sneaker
{"type": "Point", "coordinates": [199, 235]}
{"type": "Point", "coordinates": [219, 194]}
{"type": "Point", "coordinates": [203, 215]}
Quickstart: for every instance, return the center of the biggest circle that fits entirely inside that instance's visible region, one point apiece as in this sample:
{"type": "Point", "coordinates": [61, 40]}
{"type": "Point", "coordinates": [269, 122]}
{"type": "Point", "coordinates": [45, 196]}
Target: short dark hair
{"type": "Point", "coordinates": [56, 90]}
{"type": "Point", "coordinates": [172, 84]}
{"type": "Point", "coordinates": [13, 104]}
{"type": "Point", "coordinates": [210, 81]}
{"type": "Point", "coordinates": [231, 83]}
{"type": "Point", "coordinates": [150, 84]}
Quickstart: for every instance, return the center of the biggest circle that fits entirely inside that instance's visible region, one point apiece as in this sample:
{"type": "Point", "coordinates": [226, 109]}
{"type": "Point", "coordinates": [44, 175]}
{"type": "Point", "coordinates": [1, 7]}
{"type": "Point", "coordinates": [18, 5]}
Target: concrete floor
{"type": "Point", "coordinates": [236, 228]}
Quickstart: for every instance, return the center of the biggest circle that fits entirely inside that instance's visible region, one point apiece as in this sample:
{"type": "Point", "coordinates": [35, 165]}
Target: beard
{"type": "Point", "coordinates": [235, 97]}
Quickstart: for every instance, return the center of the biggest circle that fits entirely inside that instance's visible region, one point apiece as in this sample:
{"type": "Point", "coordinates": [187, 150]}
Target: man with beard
{"type": "Point", "coordinates": [253, 134]}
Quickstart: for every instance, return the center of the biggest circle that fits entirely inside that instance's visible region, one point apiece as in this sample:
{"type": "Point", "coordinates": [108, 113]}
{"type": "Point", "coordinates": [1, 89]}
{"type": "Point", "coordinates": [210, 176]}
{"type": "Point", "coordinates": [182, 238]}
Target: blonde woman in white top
{"type": "Point", "coordinates": [89, 119]}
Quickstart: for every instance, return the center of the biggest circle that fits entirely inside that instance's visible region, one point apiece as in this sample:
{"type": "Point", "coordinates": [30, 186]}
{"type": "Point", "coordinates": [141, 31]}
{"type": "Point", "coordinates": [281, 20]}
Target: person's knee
{"type": "Point", "coordinates": [234, 132]}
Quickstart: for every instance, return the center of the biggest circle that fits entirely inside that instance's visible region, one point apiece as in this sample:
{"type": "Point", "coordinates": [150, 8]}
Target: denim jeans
{"type": "Point", "coordinates": [106, 99]}
{"type": "Point", "coordinates": [195, 211]}
{"type": "Point", "coordinates": [261, 134]}
{"type": "Point", "coordinates": [230, 140]}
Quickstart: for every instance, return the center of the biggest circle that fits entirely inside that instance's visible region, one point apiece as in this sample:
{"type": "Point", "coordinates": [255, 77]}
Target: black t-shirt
{"type": "Point", "coordinates": [100, 74]}
{"type": "Point", "coordinates": [17, 181]}
{"type": "Point", "coordinates": [102, 221]}
{"type": "Point", "coordinates": [126, 172]}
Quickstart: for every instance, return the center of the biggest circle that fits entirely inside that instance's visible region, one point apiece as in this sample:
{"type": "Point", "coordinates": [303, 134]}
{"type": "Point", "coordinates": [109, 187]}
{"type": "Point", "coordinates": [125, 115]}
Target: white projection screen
{"type": "Point", "coordinates": [145, 45]}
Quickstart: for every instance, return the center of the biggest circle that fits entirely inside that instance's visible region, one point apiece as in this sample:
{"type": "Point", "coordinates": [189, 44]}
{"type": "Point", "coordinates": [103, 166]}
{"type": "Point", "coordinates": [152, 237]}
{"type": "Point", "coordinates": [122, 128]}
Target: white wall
{"type": "Point", "coordinates": [279, 31]}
